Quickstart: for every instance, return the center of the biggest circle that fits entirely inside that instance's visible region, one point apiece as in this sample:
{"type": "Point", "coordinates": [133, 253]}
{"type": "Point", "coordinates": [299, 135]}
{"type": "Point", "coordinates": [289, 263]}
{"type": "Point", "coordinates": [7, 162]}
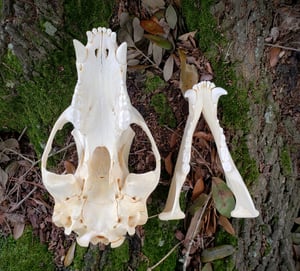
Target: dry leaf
{"type": "Point", "coordinates": [152, 27]}
{"type": "Point", "coordinates": [169, 164]}
{"type": "Point", "coordinates": [133, 62]}
{"type": "Point", "coordinates": [18, 230]}
{"type": "Point", "coordinates": [124, 18]}
{"type": "Point", "coordinates": [153, 5]}
{"type": "Point", "coordinates": [179, 235]}
{"type": "Point", "coordinates": [188, 73]}
{"type": "Point", "coordinates": [186, 36]}
{"type": "Point", "coordinates": [138, 31]}
{"type": "Point", "coordinates": [168, 68]}
{"type": "Point", "coordinates": [70, 255]}
{"type": "Point", "coordinates": [69, 167]}
{"type": "Point", "coordinates": [173, 140]}
{"type": "Point", "coordinates": [171, 16]}
{"type": "Point", "coordinates": [297, 220]}
{"type": "Point", "coordinates": [198, 188]}
{"type": "Point", "coordinates": [123, 36]}
{"type": "Point", "coordinates": [207, 267]}
{"type": "Point", "coordinates": [274, 56]}
{"type": "Point", "coordinates": [12, 168]}
{"type": "Point", "coordinates": [225, 223]}
{"type": "Point", "coordinates": [3, 178]}
{"type": "Point", "coordinates": [204, 135]}
{"type": "Point", "coordinates": [157, 54]}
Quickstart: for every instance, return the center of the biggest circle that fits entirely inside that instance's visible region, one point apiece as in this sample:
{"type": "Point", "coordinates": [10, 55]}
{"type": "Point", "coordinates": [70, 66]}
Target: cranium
{"type": "Point", "coordinates": [204, 98]}
{"type": "Point", "coordinates": [101, 201]}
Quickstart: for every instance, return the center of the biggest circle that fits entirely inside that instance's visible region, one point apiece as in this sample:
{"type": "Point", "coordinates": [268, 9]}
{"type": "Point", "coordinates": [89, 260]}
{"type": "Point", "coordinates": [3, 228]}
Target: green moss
{"type": "Point", "coordinates": [118, 258]}
{"type": "Point", "coordinates": [163, 109]}
{"type": "Point", "coordinates": [79, 257]}
{"type": "Point", "coordinates": [285, 161]}
{"type": "Point", "coordinates": [159, 237]}
{"type": "Point", "coordinates": [37, 103]}
{"type": "Point", "coordinates": [24, 254]}
{"type": "Point", "coordinates": [153, 82]}
{"type": "Point", "coordinates": [198, 17]}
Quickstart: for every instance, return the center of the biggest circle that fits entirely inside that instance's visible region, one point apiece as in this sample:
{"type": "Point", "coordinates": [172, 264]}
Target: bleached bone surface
{"type": "Point", "coordinates": [204, 98]}
{"type": "Point", "coordinates": [101, 201]}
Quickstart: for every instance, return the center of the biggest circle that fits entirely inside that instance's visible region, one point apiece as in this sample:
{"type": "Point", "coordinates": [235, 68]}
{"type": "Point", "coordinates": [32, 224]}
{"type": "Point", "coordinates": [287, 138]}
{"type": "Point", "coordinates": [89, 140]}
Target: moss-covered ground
{"type": "Point", "coordinates": [24, 254]}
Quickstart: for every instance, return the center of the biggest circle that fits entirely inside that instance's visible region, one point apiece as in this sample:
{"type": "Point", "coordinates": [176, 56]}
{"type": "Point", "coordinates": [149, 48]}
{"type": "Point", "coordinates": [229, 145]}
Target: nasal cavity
{"type": "Point", "coordinates": [99, 163]}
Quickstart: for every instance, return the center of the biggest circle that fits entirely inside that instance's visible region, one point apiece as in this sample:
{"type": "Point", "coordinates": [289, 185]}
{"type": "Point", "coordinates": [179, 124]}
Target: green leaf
{"type": "Point", "coordinates": [223, 197]}
{"type": "Point", "coordinates": [161, 42]}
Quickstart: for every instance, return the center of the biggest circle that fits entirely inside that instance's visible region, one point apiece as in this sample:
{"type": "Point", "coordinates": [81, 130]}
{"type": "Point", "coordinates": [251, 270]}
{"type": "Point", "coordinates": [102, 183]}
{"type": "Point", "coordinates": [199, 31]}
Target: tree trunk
{"type": "Point", "coordinates": [265, 243]}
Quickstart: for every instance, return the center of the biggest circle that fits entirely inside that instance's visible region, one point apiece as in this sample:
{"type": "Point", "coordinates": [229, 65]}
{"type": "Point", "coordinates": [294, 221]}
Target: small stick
{"type": "Point", "coordinates": [282, 47]}
{"type": "Point", "coordinates": [165, 257]}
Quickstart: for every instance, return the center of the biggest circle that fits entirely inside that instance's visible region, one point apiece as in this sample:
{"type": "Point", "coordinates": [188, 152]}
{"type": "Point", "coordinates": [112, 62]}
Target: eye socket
{"type": "Point", "coordinates": [106, 52]}
{"type": "Point", "coordinates": [96, 52]}
{"type": "Point", "coordinates": [141, 157]}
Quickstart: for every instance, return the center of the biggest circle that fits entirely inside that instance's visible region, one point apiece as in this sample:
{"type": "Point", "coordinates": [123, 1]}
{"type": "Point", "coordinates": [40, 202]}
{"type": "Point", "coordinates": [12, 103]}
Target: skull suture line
{"type": "Point", "coordinates": [101, 201]}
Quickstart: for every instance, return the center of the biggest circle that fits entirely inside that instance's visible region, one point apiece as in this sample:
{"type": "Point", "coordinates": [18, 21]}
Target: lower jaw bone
{"type": "Point", "coordinates": [204, 98]}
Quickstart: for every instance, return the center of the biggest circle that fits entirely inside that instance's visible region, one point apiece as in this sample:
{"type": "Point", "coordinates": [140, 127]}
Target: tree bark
{"type": "Point", "coordinates": [265, 243]}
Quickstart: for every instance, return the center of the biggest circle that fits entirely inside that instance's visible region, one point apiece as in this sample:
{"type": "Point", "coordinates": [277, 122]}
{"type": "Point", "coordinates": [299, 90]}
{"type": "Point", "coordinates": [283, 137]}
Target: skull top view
{"type": "Point", "coordinates": [101, 201]}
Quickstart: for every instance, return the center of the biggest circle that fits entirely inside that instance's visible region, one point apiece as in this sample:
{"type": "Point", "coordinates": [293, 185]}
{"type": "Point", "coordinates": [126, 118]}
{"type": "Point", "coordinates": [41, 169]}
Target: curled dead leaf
{"type": "Point", "coordinates": [169, 164]}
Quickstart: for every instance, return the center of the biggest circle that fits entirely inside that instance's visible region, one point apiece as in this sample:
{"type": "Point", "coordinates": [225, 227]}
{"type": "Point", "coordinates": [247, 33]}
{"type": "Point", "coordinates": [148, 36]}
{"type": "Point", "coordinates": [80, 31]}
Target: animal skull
{"type": "Point", "coordinates": [101, 201]}
{"type": "Point", "coordinates": [204, 98]}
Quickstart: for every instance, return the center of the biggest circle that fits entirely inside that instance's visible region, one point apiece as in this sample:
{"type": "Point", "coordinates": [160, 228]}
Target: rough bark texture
{"type": "Point", "coordinates": [265, 243]}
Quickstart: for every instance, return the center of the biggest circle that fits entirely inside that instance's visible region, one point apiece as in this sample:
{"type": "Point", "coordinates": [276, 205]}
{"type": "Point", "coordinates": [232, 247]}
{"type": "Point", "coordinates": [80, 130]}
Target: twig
{"type": "Point", "coordinates": [282, 47]}
{"type": "Point", "coordinates": [19, 154]}
{"type": "Point", "coordinates": [145, 56]}
{"type": "Point", "coordinates": [153, 216]}
{"type": "Point", "coordinates": [165, 257]}
{"type": "Point", "coordinates": [195, 232]}
{"type": "Point", "coordinates": [25, 198]}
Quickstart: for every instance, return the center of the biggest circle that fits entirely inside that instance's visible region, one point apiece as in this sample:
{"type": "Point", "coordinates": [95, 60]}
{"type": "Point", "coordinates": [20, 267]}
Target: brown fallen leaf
{"type": "Point", "coordinates": [151, 26]}
{"type": "Point", "coordinates": [274, 56]}
{"type": "Point", "coordinates": [169, 164]}
{"type": "Point", "coordinates": [188, 73]}
{"type": "Point", "coordinates": [69, 167]}
{"type": "Point", "coordinates": [227, 226]}
{"type": "Point", "coordinates": [198, 188]}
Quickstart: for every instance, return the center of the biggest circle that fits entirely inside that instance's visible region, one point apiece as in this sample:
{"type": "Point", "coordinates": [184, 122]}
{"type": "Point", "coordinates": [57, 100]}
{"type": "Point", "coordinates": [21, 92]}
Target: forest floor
{"type": "Point", "coordinates": [24, 200]}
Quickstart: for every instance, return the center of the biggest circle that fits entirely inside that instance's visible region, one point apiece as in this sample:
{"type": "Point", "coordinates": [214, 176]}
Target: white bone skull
{"type": "Point", "coordinates": [101, 201]}
{"type": "Point", "coordinates": [204, 98]}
